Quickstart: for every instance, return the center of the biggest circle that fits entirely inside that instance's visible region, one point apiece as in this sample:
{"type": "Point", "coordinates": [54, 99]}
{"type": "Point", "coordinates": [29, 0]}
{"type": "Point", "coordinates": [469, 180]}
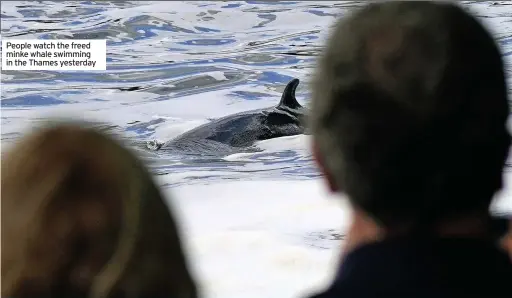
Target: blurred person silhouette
{"type": "Point", "coordinates": [82, 217]}
{"type": "Point", "coordinates": [409, 111]}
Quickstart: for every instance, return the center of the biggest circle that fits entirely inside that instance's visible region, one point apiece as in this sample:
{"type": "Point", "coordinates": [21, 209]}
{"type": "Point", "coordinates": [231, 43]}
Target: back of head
{"type": "Point", "coordinates": [81, 217]}
{"type": "Point", "coordinates": [409, 111]}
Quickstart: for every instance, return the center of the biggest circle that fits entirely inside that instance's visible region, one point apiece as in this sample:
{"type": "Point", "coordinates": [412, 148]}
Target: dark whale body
{"type": "Point", "coordinates": [238, 132]}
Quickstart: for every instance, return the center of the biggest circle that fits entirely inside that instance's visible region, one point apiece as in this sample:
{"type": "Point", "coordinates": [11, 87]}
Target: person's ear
{"type": "Point", "coordinates": [320, 162]}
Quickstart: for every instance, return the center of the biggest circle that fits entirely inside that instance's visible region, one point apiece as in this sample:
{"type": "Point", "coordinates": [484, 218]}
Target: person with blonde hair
{"type": "Point", "coordinates": [82, 217]}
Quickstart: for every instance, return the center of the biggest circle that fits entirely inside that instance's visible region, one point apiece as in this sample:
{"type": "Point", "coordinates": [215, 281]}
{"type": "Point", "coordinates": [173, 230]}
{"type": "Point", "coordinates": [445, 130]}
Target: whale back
{"type": "Point", "coordinates": [231, 133]}
{"type": "Point", "coordinates": [288, 99]}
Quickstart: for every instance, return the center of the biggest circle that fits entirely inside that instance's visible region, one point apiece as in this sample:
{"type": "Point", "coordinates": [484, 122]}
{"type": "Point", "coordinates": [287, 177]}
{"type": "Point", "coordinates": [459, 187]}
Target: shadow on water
{"type": "Point", "coordinates": [162, 51]}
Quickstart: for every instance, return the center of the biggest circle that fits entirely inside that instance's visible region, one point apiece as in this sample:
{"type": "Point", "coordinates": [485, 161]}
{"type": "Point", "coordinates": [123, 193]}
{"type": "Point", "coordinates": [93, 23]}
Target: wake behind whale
{"type": "Point", "coordinates": [238, 132]}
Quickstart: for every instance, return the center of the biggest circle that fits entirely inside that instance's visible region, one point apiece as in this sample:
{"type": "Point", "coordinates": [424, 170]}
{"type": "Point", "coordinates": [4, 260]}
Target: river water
{"type": "Point", "coordinates": [255, 225]}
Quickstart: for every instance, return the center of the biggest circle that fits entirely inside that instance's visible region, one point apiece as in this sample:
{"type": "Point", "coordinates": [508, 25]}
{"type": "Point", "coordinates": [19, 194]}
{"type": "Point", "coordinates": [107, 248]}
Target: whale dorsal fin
{"type": "Point", "coordinates": [288, 99]}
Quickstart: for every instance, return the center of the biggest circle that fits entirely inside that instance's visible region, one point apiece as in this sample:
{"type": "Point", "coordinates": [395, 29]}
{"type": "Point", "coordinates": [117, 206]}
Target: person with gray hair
{"type": "Point", "coordinates": [408, 118]}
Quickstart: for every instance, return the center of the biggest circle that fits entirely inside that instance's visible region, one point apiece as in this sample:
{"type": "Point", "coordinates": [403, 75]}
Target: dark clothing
{"type": "Point", "coordinates": [424, 268]}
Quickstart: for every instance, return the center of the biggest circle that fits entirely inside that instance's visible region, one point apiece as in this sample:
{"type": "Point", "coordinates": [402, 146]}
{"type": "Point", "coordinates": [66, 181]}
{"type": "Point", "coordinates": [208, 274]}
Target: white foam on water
{"type": "Point", "coordinates": [247, 238]}
{"type": "Point", "coordinates": [173, 129]}
{"type": "Point", "coordinates": [219, 76]}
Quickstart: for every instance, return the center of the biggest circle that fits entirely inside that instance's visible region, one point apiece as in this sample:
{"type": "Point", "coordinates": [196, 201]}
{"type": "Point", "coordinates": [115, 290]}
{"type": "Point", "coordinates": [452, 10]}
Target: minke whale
{"type": "Point", "coordinates": [238, 132]}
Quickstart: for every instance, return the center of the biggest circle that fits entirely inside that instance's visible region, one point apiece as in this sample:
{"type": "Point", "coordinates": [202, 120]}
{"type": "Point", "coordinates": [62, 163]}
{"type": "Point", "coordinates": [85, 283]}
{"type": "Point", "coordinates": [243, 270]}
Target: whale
{"type": "Point", "coordinates": [239, 132]}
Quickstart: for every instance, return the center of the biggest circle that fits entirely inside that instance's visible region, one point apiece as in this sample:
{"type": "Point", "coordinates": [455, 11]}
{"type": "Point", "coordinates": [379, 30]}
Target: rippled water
{"type": "Point", "coordinates": [174, 65]}
{"type": "Point", "coordinates": [177, 64]}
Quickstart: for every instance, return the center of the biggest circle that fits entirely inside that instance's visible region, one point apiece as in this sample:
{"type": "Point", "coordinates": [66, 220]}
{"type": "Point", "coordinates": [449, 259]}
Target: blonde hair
{"type": "Point", "coordinates": [47, 179]}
